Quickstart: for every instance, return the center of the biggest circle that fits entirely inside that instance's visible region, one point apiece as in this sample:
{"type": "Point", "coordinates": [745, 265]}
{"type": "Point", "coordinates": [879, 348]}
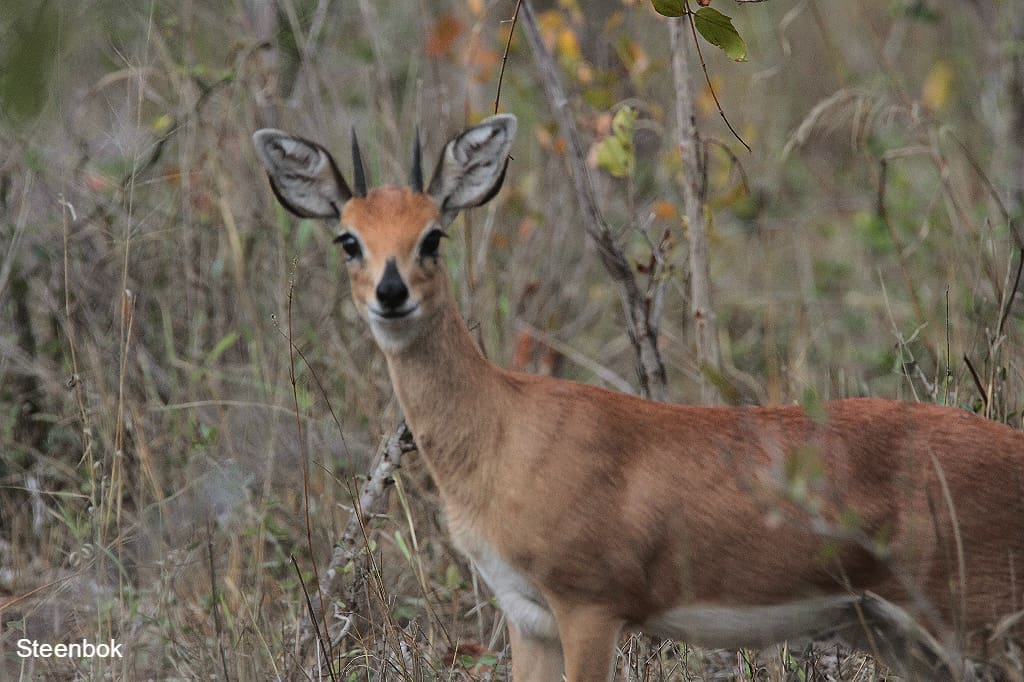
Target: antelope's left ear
{"type": "Point", "coordinates": [472, 167]}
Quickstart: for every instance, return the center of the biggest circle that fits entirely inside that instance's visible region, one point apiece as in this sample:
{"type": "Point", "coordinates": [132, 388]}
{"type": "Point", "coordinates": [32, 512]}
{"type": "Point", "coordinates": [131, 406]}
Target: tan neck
{"type": "Point", "coordinates": [450, 395]}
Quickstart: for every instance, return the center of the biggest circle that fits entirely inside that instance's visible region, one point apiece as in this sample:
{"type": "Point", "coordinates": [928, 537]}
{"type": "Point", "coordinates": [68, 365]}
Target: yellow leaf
{"type": "Point", "coordinates": [938, 86]}
{"type": "Point", "coordinates": [161, 123]}
{"type": "Point", "coordinates": [476, 7]}
{"type": "Point", "coordinates": [568, 46]}
{"type": "Point", "coordinates": [551, 24]}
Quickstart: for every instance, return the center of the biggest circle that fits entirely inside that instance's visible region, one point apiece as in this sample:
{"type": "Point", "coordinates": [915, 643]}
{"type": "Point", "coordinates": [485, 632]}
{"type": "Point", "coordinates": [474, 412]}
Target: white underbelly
{"type": "Point", "coordinates": [733, 627]}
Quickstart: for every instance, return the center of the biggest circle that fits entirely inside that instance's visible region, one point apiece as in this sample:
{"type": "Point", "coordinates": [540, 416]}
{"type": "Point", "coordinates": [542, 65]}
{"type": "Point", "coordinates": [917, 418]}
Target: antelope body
{"type": "Point", "coordinates": [897, 526]}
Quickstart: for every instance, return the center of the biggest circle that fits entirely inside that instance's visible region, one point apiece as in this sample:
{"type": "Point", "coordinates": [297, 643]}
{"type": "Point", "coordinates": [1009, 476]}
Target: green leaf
{"type": "Point", "coordinates": [718, 30]}
{"type": "Point", "coordinates": [622, 125]}
{"type": "Point", "coordinates": [612, 157]}
{"type": "Point", "coordinates": [615, 153]}
{"type": "Point", "coordinates": [669, 8]}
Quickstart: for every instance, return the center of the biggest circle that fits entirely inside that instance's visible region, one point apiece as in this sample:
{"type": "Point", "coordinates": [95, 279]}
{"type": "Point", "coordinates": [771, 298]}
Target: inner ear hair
{"type": "Point", "coordinates": [472, 166]}
{"type": "Point", "coordinates": [303, 175]}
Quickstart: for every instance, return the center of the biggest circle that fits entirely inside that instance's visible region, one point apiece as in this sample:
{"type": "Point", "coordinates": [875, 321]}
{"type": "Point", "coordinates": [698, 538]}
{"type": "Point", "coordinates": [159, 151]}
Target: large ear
{"type": "Point", "coordinates": [472, 166]}
{"type": "Point", "coordinates": [303, 175]}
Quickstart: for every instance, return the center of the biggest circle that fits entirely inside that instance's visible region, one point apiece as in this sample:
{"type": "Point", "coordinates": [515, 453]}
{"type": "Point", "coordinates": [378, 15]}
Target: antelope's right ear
{"type": "Point", "coordinates": [302, 174]}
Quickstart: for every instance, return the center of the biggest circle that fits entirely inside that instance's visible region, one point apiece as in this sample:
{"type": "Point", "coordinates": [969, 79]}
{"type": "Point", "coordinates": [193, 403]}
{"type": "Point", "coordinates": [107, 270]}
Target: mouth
{"type": "Point", "coordinates": [393, 314]}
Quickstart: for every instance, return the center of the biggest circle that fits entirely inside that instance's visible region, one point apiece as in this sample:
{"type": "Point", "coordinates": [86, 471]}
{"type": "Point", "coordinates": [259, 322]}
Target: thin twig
{"type": "Point", "coordinates": [977, 381]}
{"type": "Point", "coordinates": [707, 77]}
{"type": "Point", "coordinates": [504, 57]}
{"type": "Point", "coordinates": [329, 652]}
{"type": "Point", "coordinates": [882, 213]}
{"type": "Point", "coordinates": [949, 357]}
{"type": "Point", "coordinates": [74, 381]}
{"type": "Point", "coordinates": [1010, 223]}
{"type": "Point", "coordinates": [983, 177]}
{"type": "Point", "coordinates": [215, 601]}
{"type": "Point", "coordinates": [312, 618]}
{"type": "Point", "coordinates": [733, 158]}
{"type": "Point", "coordinates": [312, 372]}
{"type": "Point", "coordinates": [1010, 293]}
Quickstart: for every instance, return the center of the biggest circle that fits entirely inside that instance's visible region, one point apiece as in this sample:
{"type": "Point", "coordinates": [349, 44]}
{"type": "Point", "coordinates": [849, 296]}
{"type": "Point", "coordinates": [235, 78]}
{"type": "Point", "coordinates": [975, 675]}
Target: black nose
{"type": "Point", "coordinates": [391, 290]}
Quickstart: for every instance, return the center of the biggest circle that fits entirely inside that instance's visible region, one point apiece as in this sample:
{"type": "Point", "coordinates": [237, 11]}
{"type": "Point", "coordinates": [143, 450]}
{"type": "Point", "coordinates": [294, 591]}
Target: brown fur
{"type": "Point", "coordinates": [633, 507]}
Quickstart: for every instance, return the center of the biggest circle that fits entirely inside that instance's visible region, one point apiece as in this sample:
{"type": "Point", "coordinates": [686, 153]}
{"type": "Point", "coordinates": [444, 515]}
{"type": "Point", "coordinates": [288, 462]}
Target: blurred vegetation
{"type": "Point", "coordinates": [151, 451]}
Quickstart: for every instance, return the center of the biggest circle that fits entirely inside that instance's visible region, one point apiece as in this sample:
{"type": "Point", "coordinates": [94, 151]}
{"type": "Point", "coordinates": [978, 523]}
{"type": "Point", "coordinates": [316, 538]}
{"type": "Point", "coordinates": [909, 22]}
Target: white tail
{"type": "Point", "coordinates": [898, 526]}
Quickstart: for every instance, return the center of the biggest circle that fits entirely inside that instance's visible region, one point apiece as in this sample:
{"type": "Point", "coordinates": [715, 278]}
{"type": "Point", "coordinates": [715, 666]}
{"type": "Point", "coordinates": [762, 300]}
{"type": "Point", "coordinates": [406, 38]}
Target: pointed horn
{"type": "Point", "coordinates": [359, 174]}
{"type": "Point", "coordinates": [416, 174]}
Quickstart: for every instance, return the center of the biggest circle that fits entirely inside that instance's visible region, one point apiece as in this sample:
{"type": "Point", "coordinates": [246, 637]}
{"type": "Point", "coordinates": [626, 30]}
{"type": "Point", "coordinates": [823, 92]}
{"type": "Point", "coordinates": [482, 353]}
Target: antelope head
{"type": "Point", "coordinates": [391, 235]}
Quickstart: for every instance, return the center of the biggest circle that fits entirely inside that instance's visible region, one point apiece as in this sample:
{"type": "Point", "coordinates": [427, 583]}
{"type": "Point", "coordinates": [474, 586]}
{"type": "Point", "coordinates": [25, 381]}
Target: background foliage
{"type": "Point", "coordinates": [151, 448]}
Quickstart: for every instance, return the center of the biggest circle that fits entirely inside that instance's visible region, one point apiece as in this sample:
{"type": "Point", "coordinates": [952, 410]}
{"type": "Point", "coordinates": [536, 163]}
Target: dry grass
{"type": "Point", "coordinates": [152, 448]}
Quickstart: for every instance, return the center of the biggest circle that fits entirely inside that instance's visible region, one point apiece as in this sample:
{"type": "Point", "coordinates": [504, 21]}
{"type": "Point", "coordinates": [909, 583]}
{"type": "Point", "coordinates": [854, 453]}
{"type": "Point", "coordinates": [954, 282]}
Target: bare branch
{"type": "Point", "coordinates": [504, 57]}
{"type": "Point", "coordinates": [372, 499]}
{"type": "Point", "coordinates": [641, 326]}
{"type": "Point", "coordinates": [694, 190]}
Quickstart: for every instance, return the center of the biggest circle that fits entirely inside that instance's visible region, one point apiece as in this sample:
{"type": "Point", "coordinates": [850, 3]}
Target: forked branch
{"type": "Point", "coordinates": [641, 325]}
{"type": "Point", "coordinates": [337, 583]}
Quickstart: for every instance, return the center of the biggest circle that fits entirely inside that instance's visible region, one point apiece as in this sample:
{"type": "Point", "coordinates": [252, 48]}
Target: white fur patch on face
{"type": "Point", "coordinates": [393, 335]}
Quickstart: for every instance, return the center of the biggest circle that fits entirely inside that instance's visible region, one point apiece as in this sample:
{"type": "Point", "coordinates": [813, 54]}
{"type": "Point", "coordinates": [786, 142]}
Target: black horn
{"type": "Point", "coordinates": [359, 179]}
{"type": "Point", "coordinates": [416, 174]}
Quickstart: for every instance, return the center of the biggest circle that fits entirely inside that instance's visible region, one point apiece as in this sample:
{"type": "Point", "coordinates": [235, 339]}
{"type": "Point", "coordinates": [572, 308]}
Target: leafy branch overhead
{"type": "Point", "coordinates": [715, 27]}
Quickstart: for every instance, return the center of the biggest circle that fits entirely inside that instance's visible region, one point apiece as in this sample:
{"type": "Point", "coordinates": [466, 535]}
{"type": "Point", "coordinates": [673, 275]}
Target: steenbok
{"type": "Point", "coordinates": [896, 526]}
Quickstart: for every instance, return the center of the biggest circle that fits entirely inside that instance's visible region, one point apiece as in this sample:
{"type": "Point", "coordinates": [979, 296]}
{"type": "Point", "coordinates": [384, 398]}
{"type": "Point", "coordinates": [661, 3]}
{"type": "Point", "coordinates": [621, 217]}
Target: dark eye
{"type": "Point", "coordinates": [350, 244]}
{"type": "Point", "coordinates": [431, 242]}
